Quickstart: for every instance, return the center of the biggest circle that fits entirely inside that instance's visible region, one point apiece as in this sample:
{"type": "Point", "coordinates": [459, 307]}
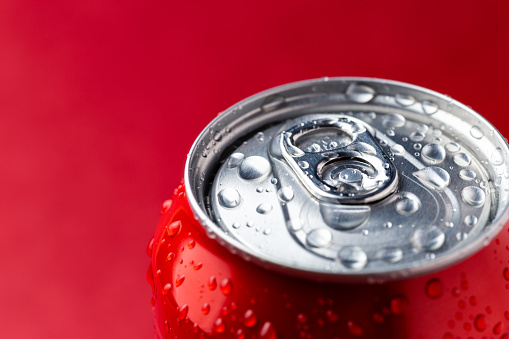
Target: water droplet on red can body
{"type": "Point", "coordinates": [480, 322]}
{"type": "Point", "coordinates": [149, 247]}
{"type": "Point", "coordinates": [447, 336]}
{"type": "Point", "coordinates": [205, 308]}
{"type": "Point", "coordinates": [497, 329]}
{"type": "Point", "coordinates": [267, 331]}
{"type": "Point", "coordinates": [240, 334]}
{"type": "Point", "coordinates": [472, 300]}
{"type": "Point", "coordinates": [180, 280]}
{"type": "Point", "coordinates": [166, 206]}
{"type": "Point", "coordinates": [219, 326]}
{"type": "Point", "coordinates": [197, 266]}
{"type": "Point", "coordinates": [226, 286]}
{"type": "Point", "coordinates": [434, 288]}
{"type": "Point", "coordinates": [354, 329]}
{"type": "Point", "coordinates": [250, 318]}
{"type": "Point", "coordinates": [182, 312]}
{"type": "Point", "coordinates": [331, 316]}
{"type": "Point", "coordinates": [506, 273]}
{"type": "Point", "coordinates": [378, 318]}
{"type": "Point", "coordinates": [212, 283]}
{"type": "Point", "coordinates": [398, 305]}
{"type": "Point", "coordinates": [191, 244]}
{"type": "Point", "coordinates": [173, 228]}
{"type": "Point", "coordinates": [166, 289]}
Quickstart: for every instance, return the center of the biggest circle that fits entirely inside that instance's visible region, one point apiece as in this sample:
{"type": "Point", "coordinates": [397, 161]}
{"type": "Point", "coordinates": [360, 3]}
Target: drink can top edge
{"type": "Point", "coordinates": [350, 179]}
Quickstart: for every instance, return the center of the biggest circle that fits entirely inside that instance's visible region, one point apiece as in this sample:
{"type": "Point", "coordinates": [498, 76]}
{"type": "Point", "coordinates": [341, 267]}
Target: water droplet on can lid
{"type": "Point", "coordinates": [254, 168]}
{"type": "Point", "coordinates": [473, 196]}
{"type": "Point", "coordinates": [429, 107]}
{"type": "Point", "coordinates": [428, 238]}
{"type": "Point", "coordinates": [353, 257]}
{"type": "Point", "coordinates": [360, 93]}
{"type": "Point", "coordinates": [229, 198]}
{"type": "Point", "coordinates": [319, 238]}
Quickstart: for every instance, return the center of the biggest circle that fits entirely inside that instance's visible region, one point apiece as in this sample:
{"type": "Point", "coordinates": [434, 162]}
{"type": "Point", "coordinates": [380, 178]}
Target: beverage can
{"type": "Point", "coordinates": [338, 208]}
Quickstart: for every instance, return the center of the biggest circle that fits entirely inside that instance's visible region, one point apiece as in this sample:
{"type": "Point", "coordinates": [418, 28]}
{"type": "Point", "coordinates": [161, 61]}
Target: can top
{"type": "Point", "coordinates": [350, 179]}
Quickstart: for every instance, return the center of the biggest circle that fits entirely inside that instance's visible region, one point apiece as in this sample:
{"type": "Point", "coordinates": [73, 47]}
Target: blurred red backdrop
{"type": "Point", "coordinates": [100, 102]}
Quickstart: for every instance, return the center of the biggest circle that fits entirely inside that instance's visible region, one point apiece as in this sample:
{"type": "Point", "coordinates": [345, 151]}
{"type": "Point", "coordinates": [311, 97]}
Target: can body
{"type": "Point", "coordinates": [205, 288]}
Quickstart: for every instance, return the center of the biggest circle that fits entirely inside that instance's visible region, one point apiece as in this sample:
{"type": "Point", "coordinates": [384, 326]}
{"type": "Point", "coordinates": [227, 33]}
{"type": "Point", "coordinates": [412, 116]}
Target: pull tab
{"type": "Point", "coordinates": [338, 160]}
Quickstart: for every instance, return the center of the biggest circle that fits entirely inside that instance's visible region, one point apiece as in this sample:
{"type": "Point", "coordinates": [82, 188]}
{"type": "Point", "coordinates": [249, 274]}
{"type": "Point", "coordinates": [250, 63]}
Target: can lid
{"type": "Point", "coordinates": [350, 179]}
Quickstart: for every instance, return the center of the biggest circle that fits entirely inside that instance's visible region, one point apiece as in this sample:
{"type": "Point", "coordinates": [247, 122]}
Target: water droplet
{"type": "Point", "coordinates": [272, 103]}
{"type": "Point", "coordinates": [470, 220]}
{"type": "Point", "coordinates": [506, 275]}
{"type": "Point", "coordinates": [285, 193]}
{"type": "Point", "coordinates": [473, 195]}
{"type": "Point", "coordinates": [497, 329]}
{"type": "Point", "coordinates": [170, 256]}
{"type": "Point", "coordinates": [408, 203]}
{"type": "Point", "coordinates": [319, 238]}
{"type": "Point", "coordinates": [180, 280]}
{"type": "Point", "coordinates": [433, 154]}
{"type": "Point", "coordinates": [399, 305]}
{"type": "Point", "coordinates": [452, 147]}
{"type": "Point", "coordinates": [362, 147]}
{"type": "Point", "coordinates": [254, 168]}
{"type": "Point", "coordinates": [205, 308]}
{"type": "Point", "coordinates": [182, 312]}
{"type": "Point", "coordinates": [429, 107]}
{"type": "Point", "coordinates": [397, 149]}
{"type": "Point", "coordinates": [350, 175]}
{"type": "Point", "coordinates": [394, 120]}
{"type": "Point", "coordinates": [390, 132]}
{"type": "Point", "coordinates": [417, 136]}
{"type": "Point", "coordinates": [433, 177]}
{"type": "Point", "coordinates": [166, 289]}
{"type": "Point", "coordinates": [259, 189]}
{"type": "Point", "coordinates": [236, 225]}
{"type": "Point", "coordinates": [173, 228]}
{"type": "Point", "coordinates": [273, 181]}
{"type": "Point", "coordinates": [365, 232]}
{"type": "Point", "coordinates": [388, 224]}
{"type": "Point", "coordinates": [264, 208]}
{"type": "Point", "coordinates": [360, 93]}
{"type": "Point", "coordinates": [480, 322]}
{"type": "Point", "coordinates": [260, 136]}
{"type": "Point", "coordinates": [250, 318]}
{"type": "Point", "coordinates": [497, 157]}
{"type": "Point", "coordinates": [390, 254]}
{"type": "Point", "coordinates": [467, 175]}
{"type": "Point", "coordinates": [229, 198]}
{"type": "Point", "coordinates": [226, 286]}
{"type": "Point", "coordinates": [212, 283]}
{"type": "Point", "coordinates": [267, 231]}
{"type": "Point", "coordinates": [434, 288]}
{"type": "Point", "coordinates": [166, 206]}
{"type": "Point", "coordinates": [405, 99]}
{"type": "Point", "coordinates": [219, 326]}
{"type": "Point", "coordinates": [234, 160]}
{"type": "Point", "coordinates": [460, 236]}
{"type": "Point", "coordinates": [344, 217]}
{"type": "Point", "coordinates": [428, 238]}
{"type": "Point", "coordinates": [303, 164]}
{"type": "Point", "coordinates": [353, 328]}
{"type": "Point", "coordinates": [417, 147]}
{"type": "Point", "coordinates": [476, 132]}
{"type": "Point", "coordinates": [353, 257]}
{"type": "Point", "coordinates": [267, 331]}
{"type": "Point", "coordinates": [462, 159]}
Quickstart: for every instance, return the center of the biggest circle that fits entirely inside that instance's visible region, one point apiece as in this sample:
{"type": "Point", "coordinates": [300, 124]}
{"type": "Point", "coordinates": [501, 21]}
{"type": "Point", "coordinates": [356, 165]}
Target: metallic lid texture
{"type": "Point", "coordinates": [350, 179]}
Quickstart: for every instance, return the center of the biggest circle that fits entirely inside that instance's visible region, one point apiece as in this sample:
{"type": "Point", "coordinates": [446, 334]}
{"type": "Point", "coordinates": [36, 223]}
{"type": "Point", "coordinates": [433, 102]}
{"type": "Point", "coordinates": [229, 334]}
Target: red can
{"type": "Point", "coordinates": [338, 208]}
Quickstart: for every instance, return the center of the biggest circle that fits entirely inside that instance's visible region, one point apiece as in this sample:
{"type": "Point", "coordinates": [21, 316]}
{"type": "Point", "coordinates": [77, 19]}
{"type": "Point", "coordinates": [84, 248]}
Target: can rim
{"type": "Point", "coordinates": [215, 232]}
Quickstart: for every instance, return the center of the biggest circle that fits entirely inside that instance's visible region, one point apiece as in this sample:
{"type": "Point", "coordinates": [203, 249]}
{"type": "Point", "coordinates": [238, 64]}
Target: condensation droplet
{"type": "Point", "coordinates": [229, 198]}
{"type": "Point", "coordinates": [362, 147]}
{"type": "Point", "coordinates": [294, 225]}
{"type": "Point", "coordinates": [353, 257]}
{"type": "Point", "coordinates": [250, 318]}
{"type": "Point", "coordinates": [254, 168]}
{"type": "Point", "coordinates": [433, 177]}
{"type": "Point", "coordinates": [260, 136]}
{"type": "Point", "coordinates": [285, 193]}
{"type": "Point", "coordinates": [226, 286]}
{"type": "Point", "coordinates": [264, 208]}
{"type": "Point", "coordinates": [236, 224]}
{"type": "Point", "coordinates": [417, 136]}
{"type": "Point", "coordinates": [470, 220]}
{"type": "Point", "coordinates": [434, 288]}
{"type": "Point", "coordinates": [390, 254]}
{"type": "Point", "coordinates": [433, 154]}
{"type": "Point", "coordinates": [429, 107]}
{"type": "Point", "coordinates": [397, 149]}
{"type": "Point", "coordinates": [303, 164]}
{"type": "Point", "coordinates": [405, 99]}
{"type": "Point", "coordinates": [476, 132]}
{"type": "Point", "coordinates": [452, 147]}
{"type": "Point", "coordinates": [473, 196]}
{"type": "Point", "coordinates": [462, 159]}
{"type": "Point", "coordinates": [408, 203]}
{"type": "Point", "coordinates": [497, 157]}
{"type": "Point", "coordinates": [344, 217]}
{"type": "Point", "coordinates": [467, 175]}
{"type": "Point", "coordinates": [460, 236]}
{"type": "Point", "coordinates": [273, 181]}
{"type": "Point", "coordinates": [360, 93]}
{"type": "Point", "coordinates": [388, 224]}
{"type": "Point", "coordinates": [394, 120]}
{"type": "Point", "coordinates": [319, 238]}
{"type": "Point", "coordinates": [428, 238]}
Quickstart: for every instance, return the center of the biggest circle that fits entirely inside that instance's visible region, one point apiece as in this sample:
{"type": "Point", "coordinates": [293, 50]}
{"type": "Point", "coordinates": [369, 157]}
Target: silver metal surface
{"type": "Point", "coordinates": [350, 179]}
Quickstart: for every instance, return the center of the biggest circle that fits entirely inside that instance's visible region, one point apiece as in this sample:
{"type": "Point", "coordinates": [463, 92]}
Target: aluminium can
{"type": "Point", "coordinates": [338, 208]}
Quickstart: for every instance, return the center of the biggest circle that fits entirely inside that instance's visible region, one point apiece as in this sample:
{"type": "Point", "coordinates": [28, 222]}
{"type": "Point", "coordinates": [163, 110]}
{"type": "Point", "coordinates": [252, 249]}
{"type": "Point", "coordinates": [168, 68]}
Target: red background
{"type": "Point", "coordinates": [100, 102]}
